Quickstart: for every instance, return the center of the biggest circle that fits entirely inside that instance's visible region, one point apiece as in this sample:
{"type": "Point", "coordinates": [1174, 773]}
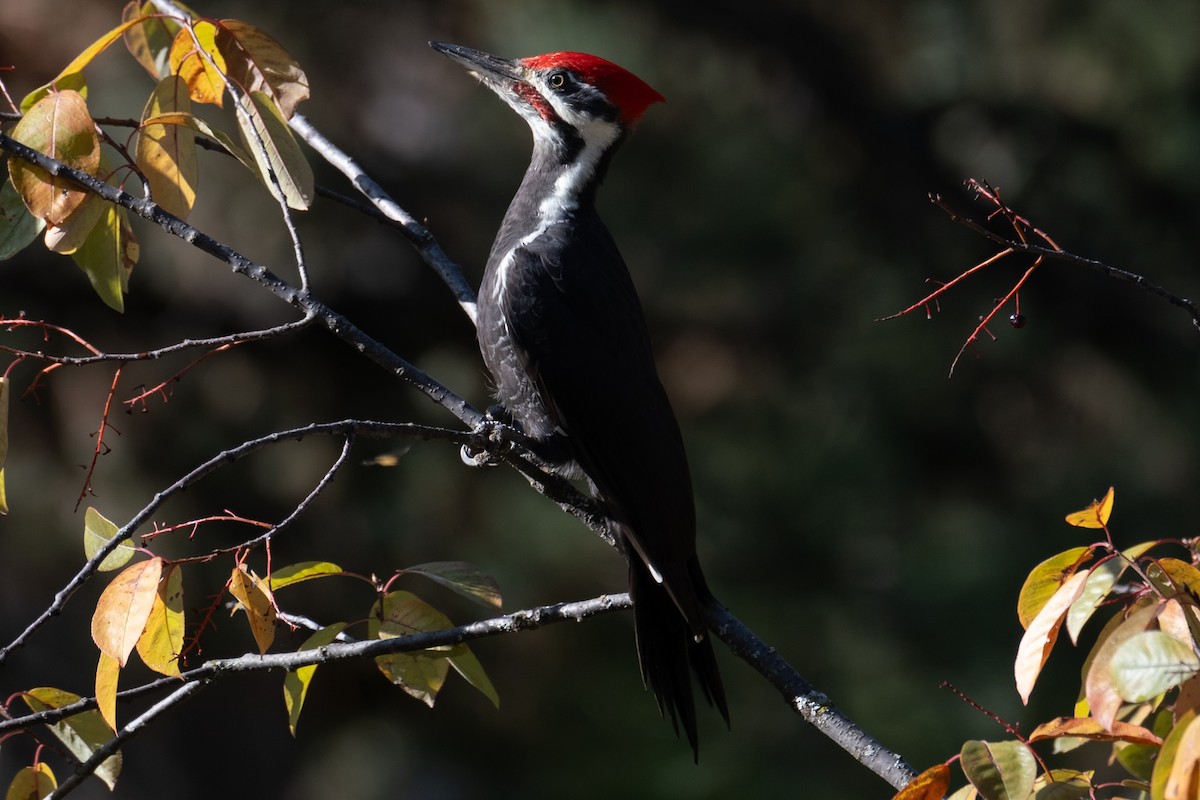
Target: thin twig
{"type": "Point", "coordinates": [343, 428]}
{"type": "Point", "coordinates": [1059, 254]}
{"type": "Point", "coordinates": [336, 323]}
{"type": "Point", "coordinates": [420, 237]}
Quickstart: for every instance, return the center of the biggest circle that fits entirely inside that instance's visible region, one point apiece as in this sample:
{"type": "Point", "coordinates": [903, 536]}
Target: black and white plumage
{"type": "Point", "coordinates": [563, 334]}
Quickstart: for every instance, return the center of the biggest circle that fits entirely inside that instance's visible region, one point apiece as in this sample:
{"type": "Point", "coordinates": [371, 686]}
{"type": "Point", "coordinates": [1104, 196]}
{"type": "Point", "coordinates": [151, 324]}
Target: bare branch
{"type": "Point", "coordinates": [420, 237]}
{"type": "Point", "coordinates": [1018, 245]}
{"type": "Point", "coordinates": [344, 428]}
{"type": "Point", "coordinates": [336, 323]}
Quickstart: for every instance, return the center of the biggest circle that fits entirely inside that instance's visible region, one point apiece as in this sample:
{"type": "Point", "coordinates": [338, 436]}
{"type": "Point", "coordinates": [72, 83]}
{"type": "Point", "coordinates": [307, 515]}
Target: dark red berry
{"type": "Point", "coordinates": [1017, 320]}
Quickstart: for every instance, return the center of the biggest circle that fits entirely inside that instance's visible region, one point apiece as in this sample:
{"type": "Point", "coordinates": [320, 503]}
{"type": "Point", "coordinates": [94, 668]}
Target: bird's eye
{"type": "Point", "coordinates": [557, 80]}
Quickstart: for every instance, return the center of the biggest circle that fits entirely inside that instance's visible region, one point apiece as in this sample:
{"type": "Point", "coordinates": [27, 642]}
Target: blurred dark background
{"type": "Point", "coordinates": [868, 517]}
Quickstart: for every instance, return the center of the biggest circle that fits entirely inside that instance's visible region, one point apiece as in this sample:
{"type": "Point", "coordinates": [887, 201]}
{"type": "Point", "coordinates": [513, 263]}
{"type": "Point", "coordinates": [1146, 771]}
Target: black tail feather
{"type": "Point", "coordinates": [669, 650]}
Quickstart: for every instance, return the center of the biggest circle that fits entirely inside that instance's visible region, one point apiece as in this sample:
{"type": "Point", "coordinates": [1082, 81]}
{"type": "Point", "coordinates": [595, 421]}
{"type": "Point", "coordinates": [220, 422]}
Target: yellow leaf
{"type": "Point", "coordinates": [1094, 516]}
{"type": "Point", "coordinates": [256, 62]}
{"type": "Point", "coordinates": [59, 126]}
{"type": "Point", "coordinates": [166, 154]}
{"type": "Point", "coordinates": [108, 671]}
{"type": "Point", "coordinates": [162, 641]}
{"type": "Point", "coordinates": [1045, 580]}
{"type": "Point", "coordinates": [255, 597]}
{"type": "Point", "coordinates": [268, 137]}
{"type": "Point", "coordinates": [297, 681]}
{"type": "Point", "coordinates": [31, 783]}
{"type": "Point", "coordinates": [124, 607]}
{"type": "Point", "coordinates": [68, 77]}
{"type": "Point", "coordinates": [97, 532]}
{"type": "Point", "coordinates": [1042, 633]}
{"type": "Point", "coordinates": [199, 62]}
{"type": "Point", "coordinates": [200, 126]}
{"type": "Point", "coordinates": [302, 571]}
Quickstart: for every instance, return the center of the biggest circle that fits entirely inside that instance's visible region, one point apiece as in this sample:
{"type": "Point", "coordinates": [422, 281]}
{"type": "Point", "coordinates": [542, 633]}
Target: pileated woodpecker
{"type": "Point", "coordinates": [562, 333]}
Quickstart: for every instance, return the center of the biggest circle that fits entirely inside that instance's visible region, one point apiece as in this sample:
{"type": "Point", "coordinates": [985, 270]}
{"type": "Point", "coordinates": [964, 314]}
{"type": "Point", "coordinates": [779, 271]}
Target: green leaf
{"type": "Point", "coordinates": [296, 682]}
{"type": "Point", "coordinates": [18, 227]}
{"type": "Point", "coordinates": [466, 579]}
{"type": "Point", "coordinates": [303, 571]}
{"type": "Point", "coordinates": [97, 532]}
{"type": "Point", "coordinates": [1149, 663]}
{"type": "Point", "coordinates": [1044, 581]}
{"type": "Point", "coordinates": [108, 255]}
{"type": "Point", "coordinates": [999, 770]}
{"type": "Point", "coordinates": [467, 665]}
{"type": "Point", "coordinates": [82, 733]}
{"type": "Point", "coordinates": [423, 673]}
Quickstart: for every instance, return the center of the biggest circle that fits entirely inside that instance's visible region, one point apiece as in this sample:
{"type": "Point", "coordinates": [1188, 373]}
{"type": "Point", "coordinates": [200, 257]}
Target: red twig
{"type": "Point", "coordinates": [1022, 227]}
{"type": "Point", "coordinates": [101, 448]}
{"type": "Point", "coordinates": [167, 387]}
{"type": "Point", "coordinates": [195, 524]}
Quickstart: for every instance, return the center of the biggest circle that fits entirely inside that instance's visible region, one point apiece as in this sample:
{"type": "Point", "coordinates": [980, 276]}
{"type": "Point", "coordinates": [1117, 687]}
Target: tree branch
{"type": "Point", "coordinates": [334, 322]}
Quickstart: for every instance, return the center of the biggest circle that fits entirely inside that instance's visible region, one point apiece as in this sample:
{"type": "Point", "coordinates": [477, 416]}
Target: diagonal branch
{"type": "Point", "coordinates": [335, 323]}
{"type": "Point", "coordinates": [420, 237]}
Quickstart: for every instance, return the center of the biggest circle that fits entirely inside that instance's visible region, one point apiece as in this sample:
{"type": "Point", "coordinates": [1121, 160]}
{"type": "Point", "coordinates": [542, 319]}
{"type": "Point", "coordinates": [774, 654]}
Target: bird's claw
{"type": "Point", "coordinates": [488, 441]}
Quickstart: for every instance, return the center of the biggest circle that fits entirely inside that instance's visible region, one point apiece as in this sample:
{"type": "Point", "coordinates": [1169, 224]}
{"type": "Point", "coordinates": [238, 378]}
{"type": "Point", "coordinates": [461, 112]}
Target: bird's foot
{"type": "Point", "coordinates": [488, 440]}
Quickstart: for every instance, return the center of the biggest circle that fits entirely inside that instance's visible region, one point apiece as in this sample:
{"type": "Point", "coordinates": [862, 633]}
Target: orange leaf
{"type": "Point", "coordinates": [1090, 728]}
{"type": "Point", "coordinates": [929, 785]}
{"type": "Point", "coordinates": [1094, 516]}
{"type": "Point", "coordinates": [60, 126]}
{"type": "Point", "coordinates": [1042, 633]}
{"type": "Point", "coordinates": [124, 607]}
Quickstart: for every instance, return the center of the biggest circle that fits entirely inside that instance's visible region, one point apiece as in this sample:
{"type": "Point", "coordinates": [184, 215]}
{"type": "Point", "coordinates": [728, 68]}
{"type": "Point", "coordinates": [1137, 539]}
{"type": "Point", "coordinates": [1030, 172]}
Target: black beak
{"type": "Point", "coordinates": [490, 69]}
